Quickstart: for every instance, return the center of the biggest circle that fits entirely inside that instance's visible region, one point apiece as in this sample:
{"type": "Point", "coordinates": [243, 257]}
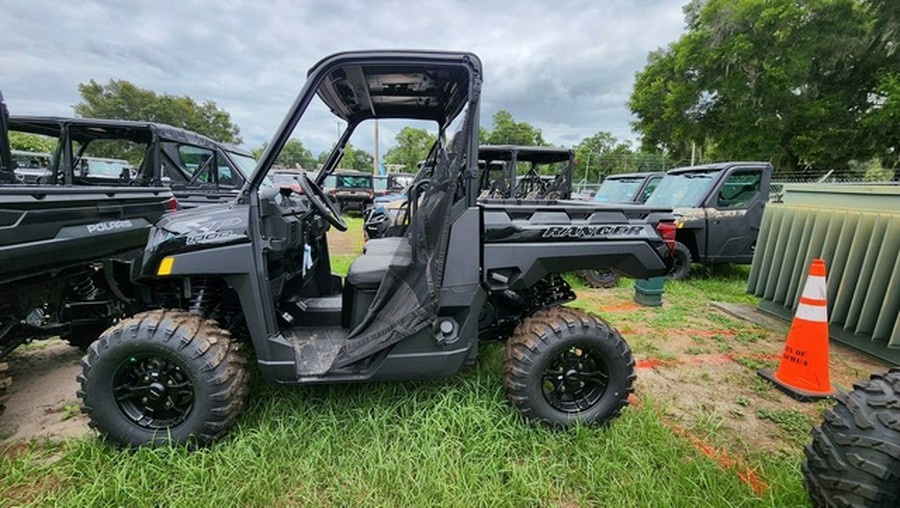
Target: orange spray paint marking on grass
{"type": "Point", "coordinates": [649, 363]}
{"type": "Point", "coordinates": [746, 474]}
{"type": "Point", "coordinates": [624, 307]}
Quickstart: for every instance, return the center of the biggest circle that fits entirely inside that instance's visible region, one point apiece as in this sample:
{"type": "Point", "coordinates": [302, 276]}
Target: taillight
{"type": "Point", "coordinates": [667, 231]}
{"type": "Point", "coordinates": [173, 204]}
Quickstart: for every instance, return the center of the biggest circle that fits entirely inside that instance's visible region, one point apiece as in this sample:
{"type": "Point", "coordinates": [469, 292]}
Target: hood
{"type": "Point", "coordinates": [206, 219]}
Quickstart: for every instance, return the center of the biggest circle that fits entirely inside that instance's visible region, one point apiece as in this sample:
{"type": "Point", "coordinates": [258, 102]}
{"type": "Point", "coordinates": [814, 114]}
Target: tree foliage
{"type": "Point", "coordinates": [795, 82]}
{"type": "Point", "coordinates": [506, 131]}
{"type": "Point", "coordinates": [601, 155]}
{"type": "Point", "coordinates": [122, 100]}
{"type": "Point", "coordinates": [412, 147]}
{"type": "Point", "coordinates": [28, 142]}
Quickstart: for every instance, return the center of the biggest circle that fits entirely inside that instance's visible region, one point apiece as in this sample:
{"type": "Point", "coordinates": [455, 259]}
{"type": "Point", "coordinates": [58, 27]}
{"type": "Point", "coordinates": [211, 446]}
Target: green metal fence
{"type": "Point", "coordinates": [856, 230]}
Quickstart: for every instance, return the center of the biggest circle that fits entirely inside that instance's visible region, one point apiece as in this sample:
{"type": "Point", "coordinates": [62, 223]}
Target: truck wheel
{"type": "Point", "coordinates": [163, 377]}
{"type": "Point", "coordinates": [599, 278]}
{"type": "Point", "coordinates": [854, 459]}
{"type": "Point", "coordinates": [5, 381]}
{"type": "Point", "coordinates": [681, 265]}
{"type": "Point", "coordinates": [563, 366]}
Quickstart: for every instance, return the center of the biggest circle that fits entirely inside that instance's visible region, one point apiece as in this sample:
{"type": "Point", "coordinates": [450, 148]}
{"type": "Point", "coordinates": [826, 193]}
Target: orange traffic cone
{"type": "Point", "coordinates": [803, 371]}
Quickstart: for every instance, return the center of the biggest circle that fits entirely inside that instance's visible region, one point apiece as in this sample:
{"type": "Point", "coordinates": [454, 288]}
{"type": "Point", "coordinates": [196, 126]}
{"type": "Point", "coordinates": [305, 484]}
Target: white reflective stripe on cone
{"type": "Point", "coordinates": [814, 288]}
{"type": "Point", "coordinates": [815, 313]}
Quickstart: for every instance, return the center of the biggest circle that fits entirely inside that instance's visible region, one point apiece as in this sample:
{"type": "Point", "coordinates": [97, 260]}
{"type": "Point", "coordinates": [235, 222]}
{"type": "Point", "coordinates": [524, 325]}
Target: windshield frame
{"type": "Point", "coordinates": [690, 198]}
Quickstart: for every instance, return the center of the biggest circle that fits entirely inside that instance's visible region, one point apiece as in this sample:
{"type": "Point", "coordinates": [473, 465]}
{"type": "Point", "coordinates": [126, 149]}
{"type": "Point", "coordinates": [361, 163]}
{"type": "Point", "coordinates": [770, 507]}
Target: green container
{"type": "Point", "coordinates": [648, 292]}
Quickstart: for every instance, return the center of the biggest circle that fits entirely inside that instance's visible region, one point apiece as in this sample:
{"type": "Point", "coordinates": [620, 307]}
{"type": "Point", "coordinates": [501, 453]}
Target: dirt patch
{"type": "Point", "coordinates": [348, 243]}
{"type": "Point", "coordinates": [42, 400]}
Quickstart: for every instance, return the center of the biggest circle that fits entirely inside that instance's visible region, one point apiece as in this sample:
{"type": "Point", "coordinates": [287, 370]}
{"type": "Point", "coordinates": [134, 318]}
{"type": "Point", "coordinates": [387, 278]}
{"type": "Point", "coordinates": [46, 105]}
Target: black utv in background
{"type": "Point", "coordinates": [64, 249]}
{"type": "Point", "coordinates": [525, 172]}
{"type": "Point", "coordinates": [719, 210]}
{"type": "Point", "coordinates": [417, 306]}
{"type": "Point", "coordinates": [198, 170]}
{"type": "Point", "coordinates": [504, 172]}
{"type": "Point", "coordinates": [353, 190]}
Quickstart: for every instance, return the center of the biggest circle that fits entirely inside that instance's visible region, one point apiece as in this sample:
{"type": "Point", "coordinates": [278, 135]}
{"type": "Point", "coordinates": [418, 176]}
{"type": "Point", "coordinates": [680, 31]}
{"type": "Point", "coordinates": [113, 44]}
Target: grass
{"type": "Point", "coordinates": [454, 442]}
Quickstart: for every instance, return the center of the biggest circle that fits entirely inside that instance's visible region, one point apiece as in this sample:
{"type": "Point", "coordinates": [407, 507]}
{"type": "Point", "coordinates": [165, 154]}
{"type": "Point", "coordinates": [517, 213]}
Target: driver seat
{"type": "Point", "coordinates": [367, 270]}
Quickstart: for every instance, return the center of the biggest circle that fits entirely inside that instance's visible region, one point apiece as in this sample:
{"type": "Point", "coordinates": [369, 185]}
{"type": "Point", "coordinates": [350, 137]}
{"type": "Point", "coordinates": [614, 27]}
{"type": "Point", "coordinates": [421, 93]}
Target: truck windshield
{"type": "Point", "coordinates": [682, 190]}
{"type": "Point", "coordinates": [354, 182]}
{"type": "Point", "coordinates": [618, 190]}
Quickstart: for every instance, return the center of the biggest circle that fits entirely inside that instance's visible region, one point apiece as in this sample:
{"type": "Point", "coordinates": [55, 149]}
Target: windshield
{"type": "Point", "coordinates": [618, 190]}
{"type": "Point", "coordinates": [106, 168]}
{"type": "Point", "coordinates": [355, 182]}
{"type": "Point", "coordinates": [245, 163]}
{"type": "Point", "coordinates": [682, 189]}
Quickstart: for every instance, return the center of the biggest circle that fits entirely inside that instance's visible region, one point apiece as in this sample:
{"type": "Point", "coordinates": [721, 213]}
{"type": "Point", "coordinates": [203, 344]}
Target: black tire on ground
{"type": "Point", "coordinates": [5, 381]}
{"type": "Point", "coordinates": [163, 377]}
{"type": "Point", "coordinates": [563, 366]}
{"type": "Point", "coordinates": [681, 267]}
{"type": "Point", "coordinates": [599, 278]}
{"type": "Point", "coordinates": [854, 458]}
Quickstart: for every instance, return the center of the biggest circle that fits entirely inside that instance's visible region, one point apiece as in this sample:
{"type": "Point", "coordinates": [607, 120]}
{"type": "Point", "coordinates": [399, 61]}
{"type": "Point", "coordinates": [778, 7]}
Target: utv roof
{"type": "Point", "coordinates": [87, 129]}
{"type": "Point", "coordinates": [644, 174]}
{"type": "Point", "coordinates": [717, 166]}
{"type": "Point", "coordinates": [425, 85]}
{"type": "Point", "coordinates": [534, 154]}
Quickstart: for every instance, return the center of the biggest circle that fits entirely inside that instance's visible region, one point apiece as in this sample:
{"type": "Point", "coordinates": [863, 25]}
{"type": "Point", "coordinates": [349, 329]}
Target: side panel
{"type": "Point", "coordinates": [523, 244]}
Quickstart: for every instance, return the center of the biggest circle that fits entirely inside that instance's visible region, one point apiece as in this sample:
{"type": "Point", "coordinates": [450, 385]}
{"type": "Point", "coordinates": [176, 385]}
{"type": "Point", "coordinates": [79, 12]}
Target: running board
{"type": "Point", "coordinates": [315, 348]}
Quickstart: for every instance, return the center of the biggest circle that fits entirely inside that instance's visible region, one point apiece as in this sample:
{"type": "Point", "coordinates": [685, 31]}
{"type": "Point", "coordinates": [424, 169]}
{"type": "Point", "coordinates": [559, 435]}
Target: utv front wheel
{"type": "Point", "coordinates": [599, 278]}
{"type": "Point", "coordinates": [563, 366]}
{"type": "Point", "coordinates": [854, 458]}
{"type": "Point", "coordinates": [163, 377]}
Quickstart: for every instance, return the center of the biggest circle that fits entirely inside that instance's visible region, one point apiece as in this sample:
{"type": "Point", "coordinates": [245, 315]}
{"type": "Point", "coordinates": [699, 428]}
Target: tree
{"type": "Point", "coordinates": [506, 131]}
{"type": "Point", "coordinates": [28, 142]}
{"type": "Point", "coordinates": [357, 158]}
{"type": "Point", "coordinates": [294, 155]}
{"type": "Point", "coordinates": [601, 155]}
{"type": "Point", "coordinates": [412, 147]}
{"type": "Point", "coordinates": [122, 100]}
{"type": "Point", "coordinates": [781, 80]}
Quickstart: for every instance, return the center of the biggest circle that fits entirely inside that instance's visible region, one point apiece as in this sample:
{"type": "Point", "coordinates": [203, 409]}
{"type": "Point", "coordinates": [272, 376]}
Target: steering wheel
{"type": "Point", "coordinates": [321, 203]}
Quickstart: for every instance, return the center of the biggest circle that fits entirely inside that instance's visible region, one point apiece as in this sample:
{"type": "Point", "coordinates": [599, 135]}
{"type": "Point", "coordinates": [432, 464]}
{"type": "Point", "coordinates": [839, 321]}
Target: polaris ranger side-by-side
{"type": "Point", "coordinates": [62, 250]}
{"type": "Point", "coordinates": [505, 172]}
{"type": "Point", "coordinates": [199, 171]}
{"type": "Point", "coordinates": [418, 308]}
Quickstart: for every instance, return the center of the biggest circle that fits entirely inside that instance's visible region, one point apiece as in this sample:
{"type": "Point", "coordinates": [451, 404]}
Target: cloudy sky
{"type": "Point", "coordinates": [566, 67]}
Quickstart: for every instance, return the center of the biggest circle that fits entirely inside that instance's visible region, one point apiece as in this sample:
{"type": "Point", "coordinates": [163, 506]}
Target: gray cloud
{"type": "Point", "coordinates": [566, 67]}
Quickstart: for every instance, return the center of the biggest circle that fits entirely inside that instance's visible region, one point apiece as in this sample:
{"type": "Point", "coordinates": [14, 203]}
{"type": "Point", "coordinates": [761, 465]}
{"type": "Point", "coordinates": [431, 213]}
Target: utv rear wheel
{"type": "Point", "coordinates": [163, 377]}
{"type": "Point", "coordinates": [599, 278]}
{"type": "Point", "coordinates": [563, 366]}
{"type": "Point", "coordinates": [681, 264]}
{"type": "Point", "coordinates": [854, 459]}
{"type": "Point", "coordinates": [5, 381]}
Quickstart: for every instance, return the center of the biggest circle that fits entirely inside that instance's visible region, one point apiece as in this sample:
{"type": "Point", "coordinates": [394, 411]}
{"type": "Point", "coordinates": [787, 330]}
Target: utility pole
{"type": "Point", "coordinates": [693, 153]}
{"type": "Point", "coordinates": [375, 160]}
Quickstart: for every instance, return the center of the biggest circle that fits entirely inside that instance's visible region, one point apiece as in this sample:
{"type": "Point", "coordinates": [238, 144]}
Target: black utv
{"type": "Point", "coordinates": [258, 270]}
{"type": "Point", "coordinates": [199, 170]}
{"type": "Point", "coordinates": [504, 172]}
{"type": "Point", "coordinates": [63, 250]}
